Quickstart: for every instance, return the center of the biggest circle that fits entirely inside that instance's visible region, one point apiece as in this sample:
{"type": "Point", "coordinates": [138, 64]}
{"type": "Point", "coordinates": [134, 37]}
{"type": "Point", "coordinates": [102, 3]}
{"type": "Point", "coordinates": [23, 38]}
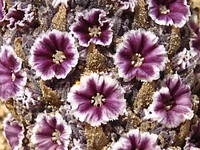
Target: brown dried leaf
{"type": "Point", "coordinates": [168, 69]}
{"type": "Point", "coordinates": [147, 126]}
{"type": "Point", "coordinates": [59, 20]}
{"type": "Point", "coordinates": [8, 5]}
{"type": "Point", "coordinates": [9, 105]}
{"type": "Point", "coordinates": [174, 42]}
{"type": "Point", "coordinates": [195, 101]}
{"type": "Point", "coordinates": [183, 133]}
{"type": "Point", "coordinates": [49, 95]}
{"type": "Point", "coordinates": [96, 138]}
{"type": "Point", "coordinates": [95, 60]}
{"type": "Point", "coordinates": [141, 14]}
{"type": "Point", "coordinates": [19, 50]}
{"type": "Point", "coordinates": [144, 97]}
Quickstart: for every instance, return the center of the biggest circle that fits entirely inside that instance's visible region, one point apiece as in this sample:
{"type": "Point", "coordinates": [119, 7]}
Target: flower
{"type": "Point", "coordinates": [54, 54]}
{"type": "Point", "coordinates": [2, 11]}
{"type": "Point", "coordinates": [135, 139]}
{"type": "Point", "coordinates": [185, 59]}
{"type": "Point", "coordinates": [172, 104]}
{"type": "Point", "coordinates": [140, 56]}
{"type": "Point", "coordinates": [50, 131]}
{"type": "Point", "coordinates": [195, 43]}
{"type": "Point", "coordinates": [195, 39]}
{"type": "Point", "coordinates": [18, 17]}
{"type": "Point", "coordinates": [14, 132]}
{"type": "Point", "coordinates": [194, 24]}
{"type": "Point", "coordinates": [12, 78]}
{"type": "Point", "coordinates": [169, 12]}
{"type": "Point", "coordinates": [126, 4]}
{"type": "Point", "coordinates": [92, 27]}
{"type": "Point", "coordinates": [55, 3]}
{"type": "Point", "coordinates": [97, 99]}
{"type": "Point", "coordinates": [192, 142]}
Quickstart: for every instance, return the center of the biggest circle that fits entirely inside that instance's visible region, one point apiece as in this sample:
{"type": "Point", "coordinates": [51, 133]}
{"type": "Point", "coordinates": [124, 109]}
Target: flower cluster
{"type": "Point", "coordinates": [98, 74]}
{"type": "Point", "coordinates": [172, 104]}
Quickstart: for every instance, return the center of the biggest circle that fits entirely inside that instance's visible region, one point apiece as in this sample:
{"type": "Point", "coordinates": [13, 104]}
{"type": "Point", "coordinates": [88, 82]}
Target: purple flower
{"type": "Point", "coordinates": [51, 131]}
{"type": "Point", "coordinates": [126, 4]}
{"type": "Point", "coordinates": [140, 56]}
{"type": "Point", "coordinates": [92, 27]}
{"type": "Point", "coordinates": [195, 43]}
{"type": "Point", "coordinates": [12, 78]}
{"type": "Point", "coordinates": [2, 11]}
{"type": "Point", "coordinates": [193, 142]}
{"type": "Point", "coordinates": [194, 24]}
{"type": "Point", "coordinates": [14, 132]}
{"type": "Point", "coordinates": [135, 139]}
{"type": "Point", "coordinates": [169, 12]}
{"type": "Point", "coordinates": [195, 39]}
{"type": "Point", "coordinates": [18, 17]}
{"type": "Point", "coordinates": [55, 3]}
{"type": "Point", "coordinates": [54, 54]}
{"type": "Point", "coordinates": [172, 104]}
{"type": "Point", "coordinates": [97, 99]}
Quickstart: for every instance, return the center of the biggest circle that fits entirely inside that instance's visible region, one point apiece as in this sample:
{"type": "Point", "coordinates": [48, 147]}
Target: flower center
{"type": "Point", "coordinates": [163, 9]}
{"type": "Point", "coordinates": [58, 57]}
{"type": "Point", "coordinates": [168, 102]}
{"type": "Point", "coordinates": [98, 100]}
{"type": "Point", "coordinates": [137, 60]}
{"type": "Point", "coordinates": [56, 137]}
{"type": "Point", "coordinates": [94, 31]}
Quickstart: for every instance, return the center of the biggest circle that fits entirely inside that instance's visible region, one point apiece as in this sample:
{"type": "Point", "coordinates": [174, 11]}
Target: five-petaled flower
{"type": "Point", "coordinates": [54, 54]}
{"type": "Point", "coordinates": [140, 56]}
{"type": "Point", "coordinates": [19, 18]}
{"type": "Point", "coordinates": [172, 104]}
{"type": "Point", "coordinates": [169, 12]}
{"type": "Point", "coordinates": [93, 27]}
{"type": "Point", "coordinates": [136, 139]}
{"type": "Point", "coordinates": [97, 99]}
{"type": "Point", "coordinates": [126, 4]}
{"type": "Point", "coordinates": [14, 132]}
{"type": "Point", "coordinates": [51, 131]}
{"type": "Point", "coordinates": [12, 78]}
